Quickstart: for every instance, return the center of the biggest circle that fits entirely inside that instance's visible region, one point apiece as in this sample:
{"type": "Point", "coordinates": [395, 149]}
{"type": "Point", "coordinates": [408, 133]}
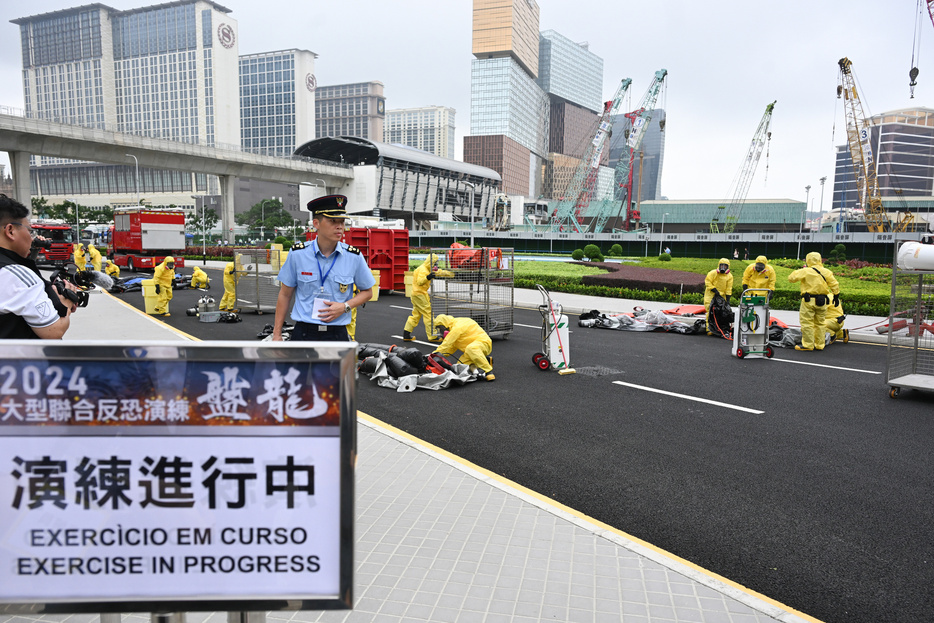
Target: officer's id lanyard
{"type": "Point", "coordinates": [321, 298]}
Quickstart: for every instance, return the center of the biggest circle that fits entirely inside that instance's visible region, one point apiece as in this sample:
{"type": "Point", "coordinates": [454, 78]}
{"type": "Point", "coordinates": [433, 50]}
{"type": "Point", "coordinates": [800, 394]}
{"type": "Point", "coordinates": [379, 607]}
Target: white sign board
{"type": "Point", "coordinates": [205, 477]}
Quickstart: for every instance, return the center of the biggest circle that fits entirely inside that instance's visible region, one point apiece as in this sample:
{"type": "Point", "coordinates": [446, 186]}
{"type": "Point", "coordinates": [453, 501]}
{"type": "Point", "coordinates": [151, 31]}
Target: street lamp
{"type": "Point", "coordinates": [204, 248]}
{"type": "Point", "coordinates": [662, 234]}
{"type": "Point", "coordinates": [136, 160]}
{"type": "Point", "coordinates": [807, 198]}
{"type": "Point", "coordinates": [472, 187]}
{"type": "Point", "coordinates": [77, 223]}
{"type": "Point", "coordinates": [262, 227]}
{"type": "Point", "coordinates": [822, 180]}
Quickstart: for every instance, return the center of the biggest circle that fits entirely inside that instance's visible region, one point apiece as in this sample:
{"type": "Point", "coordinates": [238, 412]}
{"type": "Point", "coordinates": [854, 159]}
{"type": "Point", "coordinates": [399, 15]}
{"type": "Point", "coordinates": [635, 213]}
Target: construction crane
{"type": "Point", "coordinates": [728, 216]}
{"type": "Point", "coordinates": [858, 133]}
{"type": "Point", "coordinates": [569, 211]}
{"type": "Point", "coordinates": [622, 193]}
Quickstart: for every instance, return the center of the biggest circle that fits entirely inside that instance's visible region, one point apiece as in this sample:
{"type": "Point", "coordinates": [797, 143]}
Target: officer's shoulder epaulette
{"type": "Point", "coordinates": [298, 245]}
{"type": "Point", "coordinates": [353, 249]}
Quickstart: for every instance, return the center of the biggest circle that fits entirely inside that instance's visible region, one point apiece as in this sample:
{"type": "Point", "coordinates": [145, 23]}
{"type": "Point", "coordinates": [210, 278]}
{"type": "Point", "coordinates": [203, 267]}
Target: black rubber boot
{"type": "Point", "coordinates": [407, 336]}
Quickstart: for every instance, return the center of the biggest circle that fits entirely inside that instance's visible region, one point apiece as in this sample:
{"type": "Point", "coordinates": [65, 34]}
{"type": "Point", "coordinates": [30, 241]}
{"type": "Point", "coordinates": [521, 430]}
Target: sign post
{"type": "Point", "coordinates": [176, 477]}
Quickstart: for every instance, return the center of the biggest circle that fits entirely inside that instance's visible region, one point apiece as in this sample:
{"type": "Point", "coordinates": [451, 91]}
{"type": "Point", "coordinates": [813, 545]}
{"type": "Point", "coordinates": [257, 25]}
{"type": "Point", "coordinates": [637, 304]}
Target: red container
{"type": "Point", "coordinates": [385, 250]}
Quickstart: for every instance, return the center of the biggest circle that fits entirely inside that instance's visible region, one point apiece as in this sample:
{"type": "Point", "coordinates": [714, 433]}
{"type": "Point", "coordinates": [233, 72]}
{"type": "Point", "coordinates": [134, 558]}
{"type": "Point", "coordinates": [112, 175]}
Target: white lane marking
{"type": "Point", "coordinates": [399, 337]}
{"type": "Point", "coordinates": [401, 307]}
{"type": "Point", "coordinates": [686, 397]}
{"type": "Point", "coordinates": [824, 365]}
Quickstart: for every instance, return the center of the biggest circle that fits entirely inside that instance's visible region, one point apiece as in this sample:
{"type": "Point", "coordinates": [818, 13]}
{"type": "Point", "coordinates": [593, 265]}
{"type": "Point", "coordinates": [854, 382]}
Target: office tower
{"type": "Point", "coordinates": [167, 71]}
{"type": "Point", "coordinates": [277, 101]}
{"type": "Point", "coordinates": [508, 109]}
{"type": "Point", "coordinates": [430, 128]}
{"type": "Point", "coordinates": [350, 110]}
{"type": "Point", "coordinates": [647, 168]}
{"type": "Point", "coordinates": [901, 149]}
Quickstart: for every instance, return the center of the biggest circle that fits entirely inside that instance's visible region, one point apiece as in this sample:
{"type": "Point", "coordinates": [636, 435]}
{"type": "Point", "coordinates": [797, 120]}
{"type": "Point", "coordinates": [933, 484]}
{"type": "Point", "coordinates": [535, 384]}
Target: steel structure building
{"type": "Point", "coordinates": [397, 182]}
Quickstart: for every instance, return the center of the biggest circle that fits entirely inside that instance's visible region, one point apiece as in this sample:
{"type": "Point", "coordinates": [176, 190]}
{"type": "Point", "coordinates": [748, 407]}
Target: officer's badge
{"type": "Point", "coordinates": [354, 250]}
{"type": "Point", "coordinates": [340, 200]}
{"type": "Point", "coordinates": [343, 288]}
{"type": "Point", "coordinates": [298, 245]}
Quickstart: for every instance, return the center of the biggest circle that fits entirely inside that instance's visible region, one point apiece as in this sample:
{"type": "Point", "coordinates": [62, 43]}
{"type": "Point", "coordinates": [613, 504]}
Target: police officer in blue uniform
{"type": "Point", "coordinates": [321, 276]}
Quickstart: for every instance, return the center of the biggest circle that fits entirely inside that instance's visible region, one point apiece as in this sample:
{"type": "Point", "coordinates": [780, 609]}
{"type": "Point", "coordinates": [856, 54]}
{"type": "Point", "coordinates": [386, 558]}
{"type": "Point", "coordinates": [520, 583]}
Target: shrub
{"type": "Point", "coordinates": [285, 242]}
{"type": "Point", "coordinates": [664, 257]}
{"type": "Point", "coordinates": [616, 250]}
{"type": "Point", "coordinates": [592, 251]}
{"type": "Point", "coordinates": [578, 254]}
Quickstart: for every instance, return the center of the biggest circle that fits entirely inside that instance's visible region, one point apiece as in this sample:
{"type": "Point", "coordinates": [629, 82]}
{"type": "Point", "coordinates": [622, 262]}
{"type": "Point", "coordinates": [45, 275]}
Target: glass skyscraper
{"type": "Point", "coordinates": [277, 101]}
{"type": "Point", "coordinates": [167, 71]}
{"type": "Point", "coordinates": [357, 109]}
{"type": "Point", "coordinates": [570, 71]}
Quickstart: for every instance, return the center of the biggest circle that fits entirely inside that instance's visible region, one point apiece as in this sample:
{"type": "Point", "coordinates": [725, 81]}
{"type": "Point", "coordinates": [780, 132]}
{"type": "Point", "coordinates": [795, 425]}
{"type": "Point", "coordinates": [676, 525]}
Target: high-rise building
{"type": "Point", "coordinates": [277, 101]}
{"type": "Point", "coordinates": [430, 128]}
{"type": "Point", "coordinates": [570, 71]}
{"type": "Point", "coordinates": [901, 146]}
{"type": "Point", "coordinates": [357, 109]}
{"type": "Point", "coordinates": [167, 71]}
{"type": "Point", "coordinates": [508, 109]}
{"type": "Point", "coordinates": [647, 167]}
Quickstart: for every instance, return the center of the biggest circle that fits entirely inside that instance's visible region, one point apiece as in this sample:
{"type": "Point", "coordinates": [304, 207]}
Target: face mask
{"type": "Point", "coordinates": [724, 268]}
{"type": "Point", "coordinates": [760, 267]}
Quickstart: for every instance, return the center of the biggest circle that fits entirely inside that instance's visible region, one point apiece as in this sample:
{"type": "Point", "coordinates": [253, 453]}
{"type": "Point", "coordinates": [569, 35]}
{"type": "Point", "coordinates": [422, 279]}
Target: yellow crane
{"type": "Point", "coordinates": [858, 134]}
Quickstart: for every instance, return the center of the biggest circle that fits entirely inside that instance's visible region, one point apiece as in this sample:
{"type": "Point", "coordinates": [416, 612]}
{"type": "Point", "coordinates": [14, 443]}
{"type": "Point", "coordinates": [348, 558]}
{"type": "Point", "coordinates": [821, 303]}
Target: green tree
{"type": "Point", "coordinates": [39, 207]}
{"type": "Point", "coordinates": [616, 250]}
{"type": "Point", "coordinates": [577, 254]}
{"type": "Point", "coordinates": [195, 224]}
{"type": "Point", "coordinates": [593, 252]}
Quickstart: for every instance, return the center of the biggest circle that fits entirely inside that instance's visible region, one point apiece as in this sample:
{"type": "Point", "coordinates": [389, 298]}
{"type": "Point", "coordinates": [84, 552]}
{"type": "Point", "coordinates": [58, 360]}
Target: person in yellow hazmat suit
{"type": "Point", "coordinates": [760, 275]}
{"type": "Point", "coordinates": [81, 258]}
{"type": "Point", "coordinates": [95, 257]}
{"type": "Point", "coordinates": [199, 279]}
{"type": "Point", "coordinates": [465, 335]}
{"type": "Point", "coordinates": [422, 279]}
{"type": "Point", "coordinates": [229, 300]}
{"type": "Point", "coordinates": [833, 323]}
{"type": "Point", "coordinates": [718, 281]}
{"type": "Point", "coordinates": [164, 277]}
{"type": "Point", "coordinates": [819, 288]}
{"type": "Point", "coordinates": [111, 269]}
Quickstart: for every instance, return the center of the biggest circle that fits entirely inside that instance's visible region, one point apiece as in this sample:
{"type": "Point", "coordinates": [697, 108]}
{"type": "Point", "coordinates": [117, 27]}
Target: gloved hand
{"type": "Point", "coordinates": [158, 289]}
{"type": "Point", "coordinates": [771, 292]}
{"type": "Point", "coordinates": [745, 287]}
{"type": "Point", "coordinates": [715, 291]}
{"type": "Point", "coordinates": [836, 300]}
{"type": "Point", "coordinates": [727, 299]}
{"type": "Point", "coordinates": [430, 276]}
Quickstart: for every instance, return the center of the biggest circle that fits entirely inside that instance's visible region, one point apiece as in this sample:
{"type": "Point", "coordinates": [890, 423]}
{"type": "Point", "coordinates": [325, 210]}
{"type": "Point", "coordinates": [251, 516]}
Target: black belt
{"type": "Point", "coordinates": [819, 299]}
{"type": "Point", "coordinates": [321, 328]}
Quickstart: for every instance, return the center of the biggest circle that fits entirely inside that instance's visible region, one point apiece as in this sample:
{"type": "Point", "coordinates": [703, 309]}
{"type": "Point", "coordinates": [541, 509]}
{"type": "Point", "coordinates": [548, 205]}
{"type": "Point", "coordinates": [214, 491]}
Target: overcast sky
{"type": "Point", "coordinates": [726, 60]}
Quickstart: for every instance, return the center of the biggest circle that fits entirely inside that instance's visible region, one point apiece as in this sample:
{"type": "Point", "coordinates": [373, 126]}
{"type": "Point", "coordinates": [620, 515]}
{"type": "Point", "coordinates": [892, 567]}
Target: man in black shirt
{"type": "Point", "coordinates": [30, 306]}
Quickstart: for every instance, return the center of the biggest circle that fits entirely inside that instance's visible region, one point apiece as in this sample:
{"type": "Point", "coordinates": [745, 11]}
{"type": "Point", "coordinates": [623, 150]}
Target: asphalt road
{"type": "Point", "coordinates": [803, 480]}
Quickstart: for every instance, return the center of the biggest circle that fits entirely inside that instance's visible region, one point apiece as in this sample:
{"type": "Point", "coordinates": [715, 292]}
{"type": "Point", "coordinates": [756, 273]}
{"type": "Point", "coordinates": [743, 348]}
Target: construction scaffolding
{"type": "Point", "coordinates": [481, 288]}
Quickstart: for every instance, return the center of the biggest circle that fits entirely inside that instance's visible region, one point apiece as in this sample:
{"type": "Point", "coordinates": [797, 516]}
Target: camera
{"type": "Point", "coordinates": [79, 298]}
{"type": "Point", "coordinates": [41, 244]}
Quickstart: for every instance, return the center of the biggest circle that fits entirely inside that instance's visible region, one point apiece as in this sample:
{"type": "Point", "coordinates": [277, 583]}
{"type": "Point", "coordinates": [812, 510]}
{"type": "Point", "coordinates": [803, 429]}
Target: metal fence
{"type": "Point", "coordinates": [257, 283]}
{"type": "Point", "coordinates": [910, 351]}
{"type": "Point", "coordinates": [482, 287]}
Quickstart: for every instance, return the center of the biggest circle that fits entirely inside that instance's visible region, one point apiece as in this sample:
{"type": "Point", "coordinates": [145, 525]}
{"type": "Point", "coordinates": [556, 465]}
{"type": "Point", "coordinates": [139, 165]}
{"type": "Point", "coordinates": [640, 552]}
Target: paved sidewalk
{"type": "Point", "coordinates": [441, 540]}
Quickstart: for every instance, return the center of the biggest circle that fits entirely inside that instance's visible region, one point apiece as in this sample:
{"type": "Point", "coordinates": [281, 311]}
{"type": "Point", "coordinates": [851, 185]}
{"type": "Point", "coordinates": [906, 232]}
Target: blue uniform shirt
{"type": "Point", "coordinates": [304, 268]}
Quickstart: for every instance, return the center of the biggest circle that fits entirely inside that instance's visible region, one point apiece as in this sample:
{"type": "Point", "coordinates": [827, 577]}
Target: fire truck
{"type": "Point", "coordinates": [61, 238]}
{"type": "Point", "coordinates": [143, 237]}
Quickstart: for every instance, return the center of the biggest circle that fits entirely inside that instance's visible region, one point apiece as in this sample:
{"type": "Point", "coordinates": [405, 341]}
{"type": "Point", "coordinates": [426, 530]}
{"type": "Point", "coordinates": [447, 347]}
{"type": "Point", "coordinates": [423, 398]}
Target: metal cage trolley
{"type": "Point", "coordinates": [257, 282]}
{"type": "Point", "coordinates": [556, 353]}
{"type": "Point", "coordinates": [481, 289]}
{"type": "Point", "coordinates": [751, 325]}
{"type": "Point", "coordinates": [910, 344]}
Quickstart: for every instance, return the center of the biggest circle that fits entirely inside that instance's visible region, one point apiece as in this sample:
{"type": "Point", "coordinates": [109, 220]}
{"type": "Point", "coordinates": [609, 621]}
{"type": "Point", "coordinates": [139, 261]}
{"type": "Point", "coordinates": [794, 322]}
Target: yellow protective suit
{"type": "Point", "coordinates": [722, 283]}
{"type": "Point", "coordinates": [81, 258]}
{"type": "Point", "coordinates": [95, 257]}
{"type": "Point", "coordinates": [112, 269]}
{"type": "Point", "coordinates": [164, 277]}
{"type": "Point", "coordinates": [833, 323]}
{"type": "Point", "coordinates": [421, 299]}
{"type": "Point", "coordinates": [229, 300]}
{"type": "Point", "coordinates": [752, 278]}
{"type": "Point", "coordinates": [466, 336]}
{"type": "Point", "coordinates": [818, 285]}
{"type": "Point", "coordinates": [199, 278]}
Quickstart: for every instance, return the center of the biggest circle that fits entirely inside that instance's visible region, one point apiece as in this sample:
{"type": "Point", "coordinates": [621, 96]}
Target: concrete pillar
{"type": "Point", "coordinates": [228, 188]}
{"type": "Point", "coordinates": [167, 617]}
{"type": "Point", "coordinates": [246, 617]}
{"type": "Point", "coordinates": [19, 163]}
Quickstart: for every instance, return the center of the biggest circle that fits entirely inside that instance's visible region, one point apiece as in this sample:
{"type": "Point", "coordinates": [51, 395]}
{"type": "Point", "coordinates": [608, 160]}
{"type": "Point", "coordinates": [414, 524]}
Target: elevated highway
{"type": "Point", "coordinates": [22, 136]}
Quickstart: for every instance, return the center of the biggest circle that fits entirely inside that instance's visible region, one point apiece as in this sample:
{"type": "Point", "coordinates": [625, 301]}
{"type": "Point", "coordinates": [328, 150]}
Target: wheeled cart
{"type": "Point", "coordinates": [554, 337]}
{"type": "Point", "coordinates": [910, 347]}
{"type": "Point", "coordinates": [751, 325]}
